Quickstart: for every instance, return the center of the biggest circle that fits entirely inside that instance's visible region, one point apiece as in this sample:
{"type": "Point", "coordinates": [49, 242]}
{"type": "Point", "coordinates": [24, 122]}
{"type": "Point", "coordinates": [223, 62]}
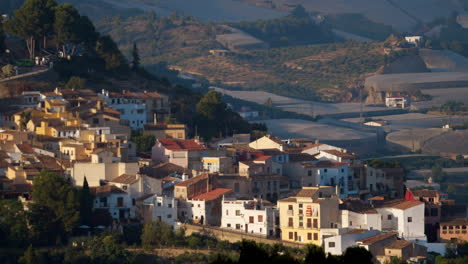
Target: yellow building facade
{"type": "Point", "coordinates": [304, 215]}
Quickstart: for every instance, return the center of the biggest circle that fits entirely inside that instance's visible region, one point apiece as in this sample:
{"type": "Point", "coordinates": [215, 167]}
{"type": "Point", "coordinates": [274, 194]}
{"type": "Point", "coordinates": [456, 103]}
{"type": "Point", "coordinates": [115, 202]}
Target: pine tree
{"type": "Point", "coordinates": [136, 57]}
{"type": "Point", "coordinates": [33, 20]}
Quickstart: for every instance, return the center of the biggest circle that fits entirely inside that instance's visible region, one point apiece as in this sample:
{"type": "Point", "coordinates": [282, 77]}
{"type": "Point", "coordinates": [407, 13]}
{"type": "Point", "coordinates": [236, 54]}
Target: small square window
{"type": "Point", "coordinates": [331, 244]}
{"type": "Point", "coordinates": [410, 219]}
{"type": "Point", "coordinates": [389, 217]}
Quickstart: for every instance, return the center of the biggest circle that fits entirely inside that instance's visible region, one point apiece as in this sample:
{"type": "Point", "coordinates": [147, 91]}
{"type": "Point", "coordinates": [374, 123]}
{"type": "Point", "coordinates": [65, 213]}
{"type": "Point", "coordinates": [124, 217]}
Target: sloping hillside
{"type": "Point", "coordinates": [403, 15]}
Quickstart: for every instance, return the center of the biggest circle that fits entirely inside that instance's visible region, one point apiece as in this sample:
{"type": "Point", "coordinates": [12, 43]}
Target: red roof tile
{"type": "Point", "coordinates": [312, 146]}
{"type": "Point", "coordinates": [402, 204]}
{"type": "Point", "coordinates": [399, 244]}
{"type": "Point", "coordinates": [340, 154]}
{"type": "Point", "coordinates": [263, 158]}
{"type": "Point", "coordinates": [125, 179]}
{"type": "Point", "coordinates": [177, 144]}
{"type": "Point", "coordinates": [25, 148]}
{"type": "Point", "coordinates": [192, 180]}
{"type": "Point", "coordinates": [374, 239]}
{"type": "Point", "coordinates": [211, 195]}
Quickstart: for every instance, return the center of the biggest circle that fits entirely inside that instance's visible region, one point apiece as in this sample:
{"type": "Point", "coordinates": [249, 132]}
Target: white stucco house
{"type": "Point", "coordinates": [114, 200]}
{"type": "Point", "coordinates": [250, 216]}
{"type": "Point", "coordinates": [328, 173]}
{"type": "Point", "coordinates": [337, 245]}
{"type": "Point", "coordinates": [369, 219]}
{"type": "Point", "coordinates": [162, 208]}
{"type": "Point", "coordinates": [405, 218]}
{"type": "Point", "coordinates": [130, 109]}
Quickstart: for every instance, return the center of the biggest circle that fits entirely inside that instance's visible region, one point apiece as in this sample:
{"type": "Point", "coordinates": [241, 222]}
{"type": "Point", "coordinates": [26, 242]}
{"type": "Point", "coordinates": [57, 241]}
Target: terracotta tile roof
{"type": "Point", "coordinates": [306, 192]}
{"type": "Point", "coordinates": [193, 180]}
{"type": "Point", "coordinates": [169, 179]}
{"type": "Point", "coordinates": [178, 144]}
{"type": "Point", "coordinates": [211, 195]}
{"type": "Point", "coordinates": [301, 157]}
{"type": "Point", "coordinates": [263, 158]}
{"type": "Point", "coordinates": [288, 200]}
{"type": "Point", "coordinates": [125, 179]}
{"type": "Point", "coordinates": [106, 190]}
{"type": "Point", "coordinates": [399, 244]}
{"type": "Point", "coordinates": [49, 163]}
{"type": "Point", "coordinates": [355, 231]}
{"type": "Point", "coordinates": [340, 154]}
{"type": "Point", "coordinates": [25, 148]}
{"type": "Point", "coordinates": [312, 146]}
{"type": "Point", "coordinates": [456, 222]}
{"type": "Point", "coordinates": [277, 140]}
{"type": "Point", "coordinates": [425, 193]}
{"type": "Point", "coordinates": [164, 169]}
{"type": "Point", "coordinates": [401, 204]}
{"type": "Point", "coordinates": [374, 239]}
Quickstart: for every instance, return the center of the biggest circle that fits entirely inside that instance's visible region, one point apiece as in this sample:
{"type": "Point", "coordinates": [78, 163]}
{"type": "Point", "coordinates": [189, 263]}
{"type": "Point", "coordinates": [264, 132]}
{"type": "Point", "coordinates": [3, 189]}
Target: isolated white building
{"type": "Point", "coordinates": [398, 101]}
{"type": "Point", "coordinates": [250, 216]}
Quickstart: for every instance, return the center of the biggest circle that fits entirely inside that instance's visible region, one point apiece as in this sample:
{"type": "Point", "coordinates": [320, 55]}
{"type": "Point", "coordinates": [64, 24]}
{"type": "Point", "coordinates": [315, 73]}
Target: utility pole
{"type": "Point", "coordinates": [361, 115]}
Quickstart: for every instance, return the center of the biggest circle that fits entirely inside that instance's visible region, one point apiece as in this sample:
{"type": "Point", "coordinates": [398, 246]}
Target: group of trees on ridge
{"type": "Point", "coordinates": [296, 29]}
{"type": "Point", "coordinates": [45, 24]}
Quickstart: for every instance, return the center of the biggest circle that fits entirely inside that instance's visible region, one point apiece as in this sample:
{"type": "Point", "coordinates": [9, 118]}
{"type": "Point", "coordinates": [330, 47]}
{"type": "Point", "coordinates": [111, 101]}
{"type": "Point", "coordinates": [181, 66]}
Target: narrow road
{"type": "Point", "coordinates": [28, 74]}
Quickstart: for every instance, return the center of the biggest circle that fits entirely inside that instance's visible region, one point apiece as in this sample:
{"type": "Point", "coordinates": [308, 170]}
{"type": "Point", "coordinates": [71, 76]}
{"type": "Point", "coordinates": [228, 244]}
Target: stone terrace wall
{"type": "Point", "coordinates": [233, 236]}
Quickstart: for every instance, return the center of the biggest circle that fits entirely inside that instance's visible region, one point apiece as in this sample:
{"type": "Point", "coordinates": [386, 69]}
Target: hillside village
{"type": "Point", "coordinates": [298, 191]}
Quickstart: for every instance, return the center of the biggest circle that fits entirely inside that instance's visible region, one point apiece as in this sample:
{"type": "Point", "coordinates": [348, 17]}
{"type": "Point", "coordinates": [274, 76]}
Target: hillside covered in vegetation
{"type": "Point", "coordinates": [327, 72]}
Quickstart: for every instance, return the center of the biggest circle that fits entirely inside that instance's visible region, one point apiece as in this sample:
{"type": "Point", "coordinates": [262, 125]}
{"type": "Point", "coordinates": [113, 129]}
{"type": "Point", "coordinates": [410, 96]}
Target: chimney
{"type": "Point", "coordinates": [56, 91]}
{"type": "Point", "coordinates": [317, 141]}
{"type": "Point", "coordinates": [103, 92]}
{"type": "Point", "coordinates": [185, 176]}
{"type": "Point", "coordinates": [337, 190]}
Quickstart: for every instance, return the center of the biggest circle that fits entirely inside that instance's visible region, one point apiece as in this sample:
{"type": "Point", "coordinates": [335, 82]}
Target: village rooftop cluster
{"type": "Point", "coordinates": [298, 191]}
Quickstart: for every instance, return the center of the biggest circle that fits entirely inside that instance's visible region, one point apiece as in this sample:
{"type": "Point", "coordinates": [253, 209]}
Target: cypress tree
{"type": "Point", "coordinates": [136, 57]}
{"type": "Point", "coordinates": [86, 204]}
